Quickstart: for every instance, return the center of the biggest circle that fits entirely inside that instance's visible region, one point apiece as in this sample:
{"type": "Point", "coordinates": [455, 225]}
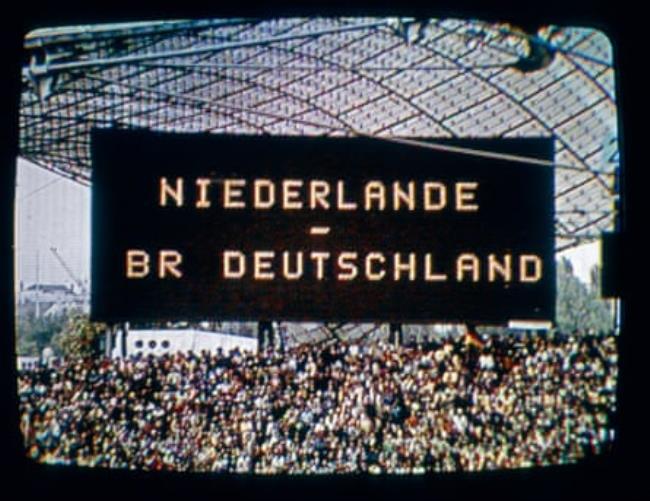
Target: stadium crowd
{"type": "Point", "coordinates": [449, 405]}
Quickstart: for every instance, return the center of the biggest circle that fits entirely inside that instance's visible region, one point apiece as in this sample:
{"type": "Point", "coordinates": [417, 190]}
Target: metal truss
{"type": "Point", "coordinates": [387, 78]}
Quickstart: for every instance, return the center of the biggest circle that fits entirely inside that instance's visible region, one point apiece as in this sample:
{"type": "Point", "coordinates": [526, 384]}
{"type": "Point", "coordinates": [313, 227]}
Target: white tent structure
{"type": "Point", "coordinates": [161, 341]}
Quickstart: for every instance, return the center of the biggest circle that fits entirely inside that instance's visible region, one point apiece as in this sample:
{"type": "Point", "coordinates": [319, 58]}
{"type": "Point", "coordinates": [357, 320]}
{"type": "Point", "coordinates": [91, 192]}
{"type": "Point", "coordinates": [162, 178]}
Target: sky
{"type": "Point", "coordinates": [52, 211]}
{"type": "Point", "coordinates": [583, 258]}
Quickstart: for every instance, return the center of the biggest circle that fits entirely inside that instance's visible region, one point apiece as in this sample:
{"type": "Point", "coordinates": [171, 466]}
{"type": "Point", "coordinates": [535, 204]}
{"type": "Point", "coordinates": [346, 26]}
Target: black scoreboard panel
{"type": "Point", "coordinates": [235, 227]}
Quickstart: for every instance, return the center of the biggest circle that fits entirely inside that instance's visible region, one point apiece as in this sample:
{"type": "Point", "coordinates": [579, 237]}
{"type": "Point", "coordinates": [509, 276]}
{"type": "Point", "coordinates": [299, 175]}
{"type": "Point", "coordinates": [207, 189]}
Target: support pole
{"type": "Point", "coordinates": [114, 331]}
{"type": "Point", "coordinates": [265, 337]}
{"type": "Point", "coordinates": [125, 333]}
{"type": "Point", "coordinates": [108, 335]}
{"type": "Point", "coordinates": [282, 335]}
{"type": "Point", "coordinates": [396, 336]}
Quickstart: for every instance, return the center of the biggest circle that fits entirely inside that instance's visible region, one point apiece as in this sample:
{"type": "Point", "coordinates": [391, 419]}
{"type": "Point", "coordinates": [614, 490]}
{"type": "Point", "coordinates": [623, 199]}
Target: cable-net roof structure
{"type": "Point", "coordinates": [380, 77]}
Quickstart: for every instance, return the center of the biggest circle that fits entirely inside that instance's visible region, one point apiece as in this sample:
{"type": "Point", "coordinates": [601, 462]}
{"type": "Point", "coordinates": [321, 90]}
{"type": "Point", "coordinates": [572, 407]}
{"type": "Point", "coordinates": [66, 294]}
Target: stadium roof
{"type": "Point", "coordinates": [380, 77]}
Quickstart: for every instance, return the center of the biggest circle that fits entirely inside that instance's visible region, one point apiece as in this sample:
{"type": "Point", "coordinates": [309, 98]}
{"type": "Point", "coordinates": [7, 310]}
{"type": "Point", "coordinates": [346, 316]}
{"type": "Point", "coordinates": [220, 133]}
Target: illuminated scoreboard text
{"type": "Point", "coordinates": [304, 228]}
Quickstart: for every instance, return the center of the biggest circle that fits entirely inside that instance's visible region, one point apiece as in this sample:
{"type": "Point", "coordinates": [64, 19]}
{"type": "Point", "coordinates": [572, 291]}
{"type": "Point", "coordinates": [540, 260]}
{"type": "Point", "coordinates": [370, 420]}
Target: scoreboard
{"type": "Point", "coordinates": [237, 227]}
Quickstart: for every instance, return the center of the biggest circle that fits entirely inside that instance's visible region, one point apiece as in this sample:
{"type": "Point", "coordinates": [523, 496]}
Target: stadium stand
{"type": "Point", "coordinates": [337, 398]}
{"type": "Point", "coordinates": [337, 407]}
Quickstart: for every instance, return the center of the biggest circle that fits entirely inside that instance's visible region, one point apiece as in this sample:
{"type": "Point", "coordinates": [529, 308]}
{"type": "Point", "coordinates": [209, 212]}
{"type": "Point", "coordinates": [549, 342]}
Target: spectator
{"type": "Point", "coordinates": [329, 409]}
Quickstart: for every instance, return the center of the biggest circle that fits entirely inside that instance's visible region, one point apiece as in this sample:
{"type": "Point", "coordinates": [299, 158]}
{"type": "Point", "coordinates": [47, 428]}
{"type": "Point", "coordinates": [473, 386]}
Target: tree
{"type": "Point", "coordinates": [602, 317]}
{"type": "Point", "coordinates": [79, 337]}
{"type": "Point", "coordinates": [35, 333]}
{"type": "Point", "coordinates": [579, 306]}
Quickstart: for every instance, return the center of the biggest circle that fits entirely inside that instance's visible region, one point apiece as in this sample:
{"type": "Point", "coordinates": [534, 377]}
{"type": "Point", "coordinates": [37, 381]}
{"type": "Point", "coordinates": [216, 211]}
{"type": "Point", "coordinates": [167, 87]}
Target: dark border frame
{"type": "Point", "coordinates": [612, 475]}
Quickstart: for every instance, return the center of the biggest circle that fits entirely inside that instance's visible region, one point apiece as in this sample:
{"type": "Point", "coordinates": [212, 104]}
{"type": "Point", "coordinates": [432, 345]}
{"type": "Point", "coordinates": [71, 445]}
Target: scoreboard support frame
{"type": "Point", "coordinates": [396, 335]}
{"type": "Point", "coordinates": [265, 335]}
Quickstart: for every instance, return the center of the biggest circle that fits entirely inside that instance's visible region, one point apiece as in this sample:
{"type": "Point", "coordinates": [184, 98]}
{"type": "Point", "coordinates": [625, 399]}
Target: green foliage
{"type": "Point", "coordinates": [79, 337]}
{"type": "Point", "coordinates": [33, 334]}
{"type": "Point", "coordinates": [579, 306]}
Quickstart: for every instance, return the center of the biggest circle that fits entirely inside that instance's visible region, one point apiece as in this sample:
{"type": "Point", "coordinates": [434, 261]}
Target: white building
{"type": "Point", "coordinates": [161, 341]}
{"type": "Point", "coordinates": [26, 363]}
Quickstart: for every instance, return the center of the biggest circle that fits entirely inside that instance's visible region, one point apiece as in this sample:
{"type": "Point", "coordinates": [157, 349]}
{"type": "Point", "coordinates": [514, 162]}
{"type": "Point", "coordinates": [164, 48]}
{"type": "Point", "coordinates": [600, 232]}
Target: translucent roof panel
{"type": "Point", "coordinates": [384, 77]}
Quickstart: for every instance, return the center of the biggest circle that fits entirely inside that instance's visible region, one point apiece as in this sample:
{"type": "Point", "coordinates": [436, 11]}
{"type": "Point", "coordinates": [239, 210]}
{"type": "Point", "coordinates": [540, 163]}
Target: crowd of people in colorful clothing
{"type": "Point", "coordinates": [335, 407]}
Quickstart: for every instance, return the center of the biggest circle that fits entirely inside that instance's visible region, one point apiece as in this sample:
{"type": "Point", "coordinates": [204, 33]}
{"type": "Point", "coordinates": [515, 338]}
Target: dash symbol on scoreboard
{"type": "Point", "coordinates": [319, 230]}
